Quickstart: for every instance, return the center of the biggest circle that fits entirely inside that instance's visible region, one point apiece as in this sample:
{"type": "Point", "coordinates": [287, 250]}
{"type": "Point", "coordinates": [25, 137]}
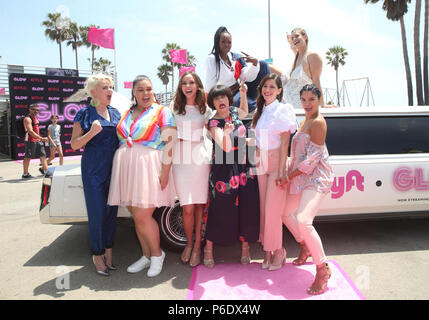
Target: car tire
{"type": "Point", "coordinates": [172, 233]}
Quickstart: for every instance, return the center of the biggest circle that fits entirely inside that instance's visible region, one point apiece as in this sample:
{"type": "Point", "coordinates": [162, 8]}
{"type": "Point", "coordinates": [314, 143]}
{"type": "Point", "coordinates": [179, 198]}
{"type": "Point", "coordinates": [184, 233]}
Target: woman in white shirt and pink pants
{"type": "Point", "coordinates": [273, 122]}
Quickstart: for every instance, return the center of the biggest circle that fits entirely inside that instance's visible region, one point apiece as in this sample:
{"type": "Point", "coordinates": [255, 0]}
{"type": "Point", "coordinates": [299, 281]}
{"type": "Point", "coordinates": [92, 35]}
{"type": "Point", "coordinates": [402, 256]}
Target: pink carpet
{"type": "Point", "coordinates": [250, 282]}
{"type": "Point", "coordinates": [54, 161]}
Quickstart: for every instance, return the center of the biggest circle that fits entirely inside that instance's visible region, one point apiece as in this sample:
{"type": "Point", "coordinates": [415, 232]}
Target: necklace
{"type": "Point", "coordinates": [230, 67]}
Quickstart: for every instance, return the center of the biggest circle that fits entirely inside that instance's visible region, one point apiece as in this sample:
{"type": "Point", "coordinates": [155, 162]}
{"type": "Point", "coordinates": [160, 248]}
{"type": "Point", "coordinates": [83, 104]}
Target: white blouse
{"type": "Point", "coordinates": [190, 126]}
{"type": "Point", "coordinates": [276, 118]}
{"type": "Point", "coordinates": [226, 74]}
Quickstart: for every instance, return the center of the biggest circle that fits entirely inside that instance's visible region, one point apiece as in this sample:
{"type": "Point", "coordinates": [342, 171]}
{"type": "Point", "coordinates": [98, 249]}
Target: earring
{"type": "Point", "coordinates": [94, 102]}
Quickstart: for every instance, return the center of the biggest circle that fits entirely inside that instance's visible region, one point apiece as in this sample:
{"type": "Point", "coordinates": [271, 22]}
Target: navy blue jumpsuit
{"type": "Point", "coordinates": [96, 167]}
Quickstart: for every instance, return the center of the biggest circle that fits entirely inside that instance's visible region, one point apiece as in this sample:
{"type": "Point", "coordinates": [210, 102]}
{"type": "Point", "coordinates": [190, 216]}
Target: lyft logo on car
{"type": "Point", "coordinates": [405, 179]}
{"type": "Point", "coordinates": [341, 184]}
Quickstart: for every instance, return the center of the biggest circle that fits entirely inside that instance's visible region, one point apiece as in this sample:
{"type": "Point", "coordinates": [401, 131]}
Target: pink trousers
{"type": "Point", "coordinates": [272, 201]}
{"type": "Point", "coordinates": [298, 217]}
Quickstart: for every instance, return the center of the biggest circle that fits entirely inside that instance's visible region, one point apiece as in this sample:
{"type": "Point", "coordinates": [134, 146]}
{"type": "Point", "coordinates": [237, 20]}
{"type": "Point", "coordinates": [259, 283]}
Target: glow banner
{"type": "Point", "coordinates": [49, 92]}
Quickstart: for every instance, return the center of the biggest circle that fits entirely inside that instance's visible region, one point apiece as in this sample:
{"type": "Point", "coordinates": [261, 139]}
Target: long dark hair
{"type": "Point", "coordinates": [260, 101]}
{"type": "Point", "coordinates": [216, 49]}
{"type": "Point", "coordinates": [180, 98]}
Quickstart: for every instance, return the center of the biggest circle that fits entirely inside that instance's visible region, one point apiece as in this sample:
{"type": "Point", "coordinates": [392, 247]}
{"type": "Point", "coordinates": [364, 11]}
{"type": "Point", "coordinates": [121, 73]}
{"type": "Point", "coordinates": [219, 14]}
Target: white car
{"type": "Point", "coordinates": [380, 159]}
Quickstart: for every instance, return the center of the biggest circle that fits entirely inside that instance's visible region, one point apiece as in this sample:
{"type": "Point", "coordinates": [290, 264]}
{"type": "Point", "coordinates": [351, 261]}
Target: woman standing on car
{"type": "Point", "coordinates": [310, 178]}
{"type": "Point", "coordinates": [273, 122]}
{"type": "Point", "coordinates": [141, 175]}
{"type": "Point", "coordinates": [306, 69]}
{"type": "Point", "coordinates": [94, 130]}
{"type": "Point", "coordinates": [191, 164]}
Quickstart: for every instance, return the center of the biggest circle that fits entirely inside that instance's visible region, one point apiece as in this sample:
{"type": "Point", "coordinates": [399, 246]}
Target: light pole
{"type": "Point", "coordinates": [269, 30]}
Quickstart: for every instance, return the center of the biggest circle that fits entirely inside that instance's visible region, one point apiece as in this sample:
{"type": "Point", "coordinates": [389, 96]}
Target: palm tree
{"type": "Point", "coordinates": [417, 56]}
{"type": "Point", "coordinates": [56, 30]}
{"type": "Point", "coordinates": [191, 60]}
{"type": "Point", "coordinates": [103, 66]}
{"type": "Point", "coordinates": [336, 55]}
{"type": "Point", "coordinates": [167, 58]}
{"type": "Point", "coordinates": [84, 36]}
{"type": "Point", "coordinates": [395, 10]}
{"type": "Point", "coordinates": [164, 71]}
{"type": "Point", "coordinates": [75, 41]}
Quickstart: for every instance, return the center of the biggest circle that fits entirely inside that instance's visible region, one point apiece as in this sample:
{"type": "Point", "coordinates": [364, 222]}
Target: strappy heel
{"type": "Point", "coordinates": [209, 263]}
{"type": "Point", "coordinates": [195, 257]}
{"type": "Point", "coordinates": [304, 254]}
{"type": "Point", "coordinates": [186, 254]}
{"type": "Point", "coordinates": [320, 283]}
{"type": "Point", "coordinates": [245, 258]}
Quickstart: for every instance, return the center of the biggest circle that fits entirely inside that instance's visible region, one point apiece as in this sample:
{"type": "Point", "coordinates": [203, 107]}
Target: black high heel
{"type": "Point", "coordinates": [104, 272]}
{"type": "Point", "coordinates": [111, 267]}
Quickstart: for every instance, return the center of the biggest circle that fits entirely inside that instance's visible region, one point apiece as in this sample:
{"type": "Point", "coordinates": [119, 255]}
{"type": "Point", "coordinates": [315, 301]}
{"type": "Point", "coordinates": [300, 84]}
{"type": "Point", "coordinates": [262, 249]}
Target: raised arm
{"type": "Point", "coordinates": [244, 107]}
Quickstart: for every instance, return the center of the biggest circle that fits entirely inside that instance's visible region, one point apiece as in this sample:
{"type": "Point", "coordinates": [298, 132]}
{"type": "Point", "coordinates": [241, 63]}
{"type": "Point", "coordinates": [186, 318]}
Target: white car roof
{"type": "Point", "coordinates": [370, 111]}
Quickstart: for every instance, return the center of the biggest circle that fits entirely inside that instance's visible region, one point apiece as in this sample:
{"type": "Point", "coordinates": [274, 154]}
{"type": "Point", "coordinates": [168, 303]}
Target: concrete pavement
{"type": "Point", "coordinates": [386, 259]}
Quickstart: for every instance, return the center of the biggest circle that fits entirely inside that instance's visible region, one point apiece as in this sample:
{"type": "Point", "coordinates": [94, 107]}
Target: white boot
{"type": "Point", "coordinates": [156, 265]}
{"type": "Point", "coordinates": [139, 265]}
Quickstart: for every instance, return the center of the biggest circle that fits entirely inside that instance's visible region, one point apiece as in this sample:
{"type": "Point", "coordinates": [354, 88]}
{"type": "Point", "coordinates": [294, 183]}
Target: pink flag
{"type": "Point", "coordinates": [178, 56]}
{"type": "Point", "coordinates": [2, 90]}
{"type": "Point", "coordinates": [102, 37]}
{"type": "Point", "coordinates": [184, 69]}
{"type": "Point", "coordinates": [128, 84]}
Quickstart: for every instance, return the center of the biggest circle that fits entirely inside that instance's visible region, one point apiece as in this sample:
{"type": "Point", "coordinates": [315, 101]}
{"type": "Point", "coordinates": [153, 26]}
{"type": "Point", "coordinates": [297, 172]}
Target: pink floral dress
{"type": "Point", "coordinates": [233, 210]}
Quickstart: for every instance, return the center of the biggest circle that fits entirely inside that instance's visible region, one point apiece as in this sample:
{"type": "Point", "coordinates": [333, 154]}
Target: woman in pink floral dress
{"type": "Point", "coordinates": [233, 212]}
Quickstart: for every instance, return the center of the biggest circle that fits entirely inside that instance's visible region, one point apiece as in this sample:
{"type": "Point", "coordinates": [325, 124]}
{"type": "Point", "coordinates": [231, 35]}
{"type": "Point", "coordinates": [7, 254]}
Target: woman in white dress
{"type": "Point", "coordinates": [306, 69]}
{"type": "Point", "coordinates": [191, 164]}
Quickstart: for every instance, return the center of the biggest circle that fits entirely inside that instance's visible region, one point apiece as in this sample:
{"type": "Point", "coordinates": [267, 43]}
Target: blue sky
{"type": "Point", "coordinates": [142, 28]}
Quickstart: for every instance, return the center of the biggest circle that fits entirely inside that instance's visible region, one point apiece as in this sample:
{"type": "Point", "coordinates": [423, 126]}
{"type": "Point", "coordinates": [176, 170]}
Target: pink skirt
{"type": "Point", "coordinates": [135, 179]}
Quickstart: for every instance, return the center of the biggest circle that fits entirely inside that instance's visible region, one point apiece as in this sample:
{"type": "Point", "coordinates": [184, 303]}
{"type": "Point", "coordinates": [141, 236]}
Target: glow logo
{"type": "Point", "coordinates": [405, 179]}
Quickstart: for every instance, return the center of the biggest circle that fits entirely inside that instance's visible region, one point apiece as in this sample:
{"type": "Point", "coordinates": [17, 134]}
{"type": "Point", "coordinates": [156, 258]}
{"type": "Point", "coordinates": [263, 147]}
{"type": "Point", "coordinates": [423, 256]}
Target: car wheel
{"type": "Point", "coordinates": [172, 233]}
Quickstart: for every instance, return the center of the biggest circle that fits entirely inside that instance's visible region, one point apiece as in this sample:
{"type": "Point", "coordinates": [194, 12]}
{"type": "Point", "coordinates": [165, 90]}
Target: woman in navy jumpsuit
{"type": "Point", "coordinates": [95, 129]}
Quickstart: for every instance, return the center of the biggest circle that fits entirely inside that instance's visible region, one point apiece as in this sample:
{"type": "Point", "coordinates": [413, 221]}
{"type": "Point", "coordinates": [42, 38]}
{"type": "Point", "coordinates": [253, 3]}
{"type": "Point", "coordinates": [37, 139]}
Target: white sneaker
{"type": "Point", "coordinates": [156, 265]}
{"type": "Point", "coordinates": [139, 265]}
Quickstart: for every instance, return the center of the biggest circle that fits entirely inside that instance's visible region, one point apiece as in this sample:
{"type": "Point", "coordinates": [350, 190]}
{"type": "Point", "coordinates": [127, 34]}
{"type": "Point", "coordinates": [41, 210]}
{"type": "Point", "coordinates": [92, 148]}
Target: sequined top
{"type": "Point", "coordinates": [313, 161]}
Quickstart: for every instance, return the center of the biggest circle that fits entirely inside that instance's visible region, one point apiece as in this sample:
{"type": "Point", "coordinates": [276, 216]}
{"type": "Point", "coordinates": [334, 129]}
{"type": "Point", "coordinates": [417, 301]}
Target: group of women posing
{"type": "Point", "coordinates": [162, 152]}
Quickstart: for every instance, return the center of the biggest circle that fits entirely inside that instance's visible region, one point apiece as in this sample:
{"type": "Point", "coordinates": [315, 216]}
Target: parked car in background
{"type": "Point", "coordinates": [380, 159]}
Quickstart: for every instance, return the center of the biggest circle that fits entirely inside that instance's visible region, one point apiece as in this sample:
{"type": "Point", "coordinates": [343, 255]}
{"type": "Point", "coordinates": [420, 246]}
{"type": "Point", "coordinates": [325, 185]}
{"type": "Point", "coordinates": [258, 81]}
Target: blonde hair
{"type": "Point", "coordinates": [94, 79]}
